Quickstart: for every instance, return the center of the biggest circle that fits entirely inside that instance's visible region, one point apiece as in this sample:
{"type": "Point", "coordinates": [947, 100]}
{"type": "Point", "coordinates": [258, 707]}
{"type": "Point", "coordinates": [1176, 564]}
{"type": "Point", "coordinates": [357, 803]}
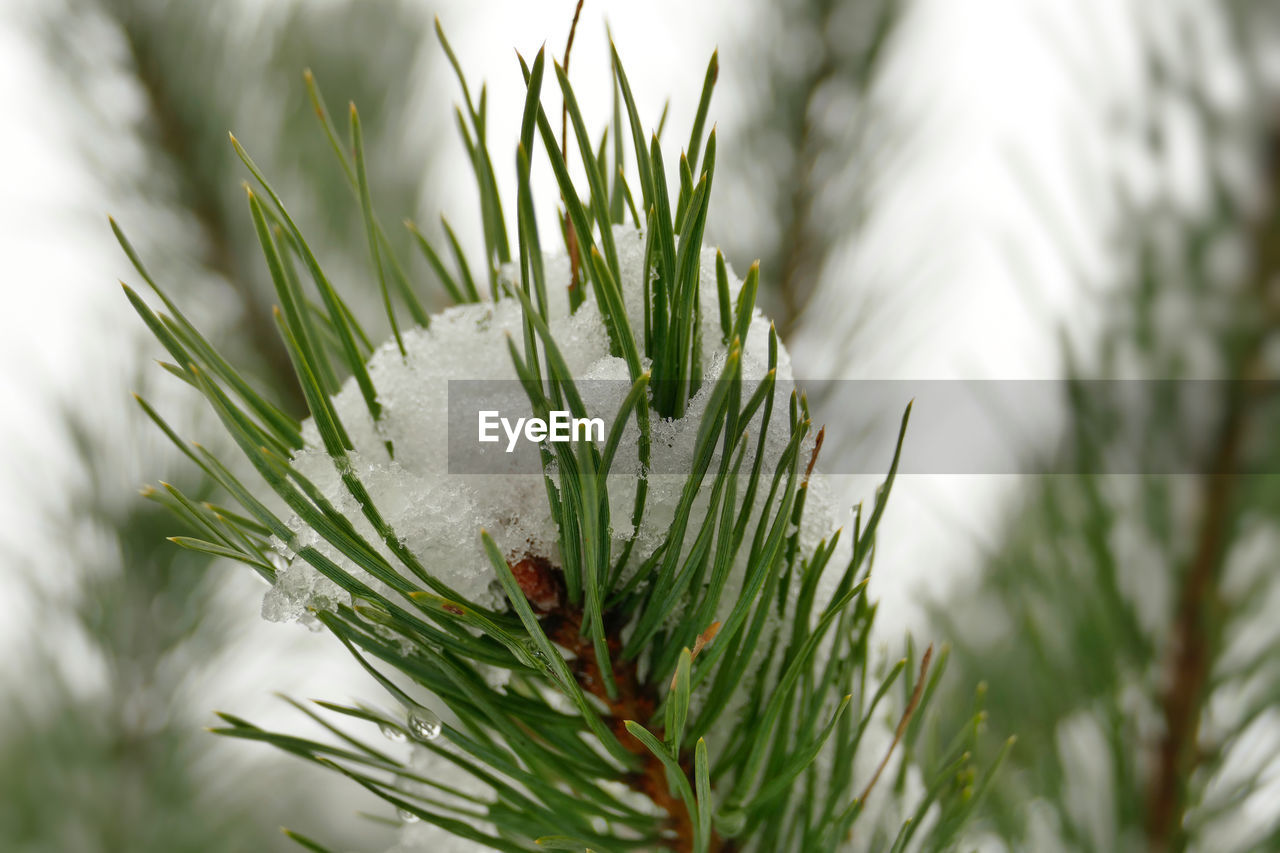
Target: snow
{"type": "Point", "coordinates": [438, 515]}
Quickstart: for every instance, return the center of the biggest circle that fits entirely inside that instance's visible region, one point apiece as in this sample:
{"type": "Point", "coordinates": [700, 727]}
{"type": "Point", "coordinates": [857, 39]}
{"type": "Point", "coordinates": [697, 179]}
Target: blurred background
{"type": "Point", "coordinates": [936, 189]}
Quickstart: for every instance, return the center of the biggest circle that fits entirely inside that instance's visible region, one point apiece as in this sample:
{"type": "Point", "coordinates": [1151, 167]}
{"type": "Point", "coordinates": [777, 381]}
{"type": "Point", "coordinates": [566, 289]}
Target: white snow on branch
{"type": "Point", "coordinates": [438, 515]}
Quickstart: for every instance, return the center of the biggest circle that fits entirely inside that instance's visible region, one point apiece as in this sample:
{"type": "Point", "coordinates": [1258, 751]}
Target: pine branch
{"type": "Point", "coordinates": [1196, 632]}
{"type": "Point", "coordinates": [1069, 579]}
{"type": "Point", "coordinates": [157, 607]}
{"type": "Point", "coordinates": [843, 58]}
{"type": "Point", "coordinates": [594, 645]}
{"type": "Point", "coordinates": [201, 197]}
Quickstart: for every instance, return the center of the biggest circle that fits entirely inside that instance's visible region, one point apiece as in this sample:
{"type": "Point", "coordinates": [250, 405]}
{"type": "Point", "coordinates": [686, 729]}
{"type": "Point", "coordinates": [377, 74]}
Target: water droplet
{"type": "Point", "coordinates": [731, 821]}
{"type": "Point", "coordinates": [540, 658]}
{"type": "Point", "coordinates": [391, 733]}
{"type": "Point", "coordinates": [406, 816]}
{"type": "Point", "coordinates": [424, 725]}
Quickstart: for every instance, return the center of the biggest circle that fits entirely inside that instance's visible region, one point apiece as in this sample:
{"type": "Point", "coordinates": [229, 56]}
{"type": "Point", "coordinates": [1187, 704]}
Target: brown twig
{"type": "Point", "coordinates": [635, 698]}
{"type": "Point", "coordinates": [796, 259]}
{"type": "Point", "coordinates": [1189, 660]}
{"type": "Point", "coordinates": [176, 138]}
{"type": "Point", "coordinates": [564, 109]}
{"type": "Point", "coordinates": [907, 714]}
{"type": "Point", "coordinates": [1191, 654]}
{"type": "Point", "coordinates": [813, 457]}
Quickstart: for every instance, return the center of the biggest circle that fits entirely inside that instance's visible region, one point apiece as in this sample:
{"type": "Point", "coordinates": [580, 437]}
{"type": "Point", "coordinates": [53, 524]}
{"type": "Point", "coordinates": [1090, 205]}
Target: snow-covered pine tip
{"type": "Point", "coordinates": [552, 617]}
{"type": "Point", "coordinates": [438, 516]}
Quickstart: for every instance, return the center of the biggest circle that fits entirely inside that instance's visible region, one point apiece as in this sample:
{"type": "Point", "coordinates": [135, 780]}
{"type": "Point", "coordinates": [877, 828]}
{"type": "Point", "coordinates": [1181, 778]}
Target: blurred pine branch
{"type": "Point", "coordinates": [125, 766]}
{"type": "Point", "coordinates": [1127, 639]}
{"type": "Point", "coordinates": [100, 753]}
{"type": "Point", "coordinates": [806, 130]}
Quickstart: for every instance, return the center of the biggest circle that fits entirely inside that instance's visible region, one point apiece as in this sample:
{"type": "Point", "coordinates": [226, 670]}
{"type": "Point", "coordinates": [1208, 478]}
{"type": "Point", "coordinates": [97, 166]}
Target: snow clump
{"type": "Point", "coordinates": [438, 515]}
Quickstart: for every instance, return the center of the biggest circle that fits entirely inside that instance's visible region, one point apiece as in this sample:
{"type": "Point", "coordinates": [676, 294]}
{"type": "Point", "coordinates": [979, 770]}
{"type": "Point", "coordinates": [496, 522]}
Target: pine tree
{"type": "Point", "coordinates": [109, 755]}
{"type": "Point", "coordinates": [1128, 639]}
{"type": "Point", "coordinates": [624, 655]}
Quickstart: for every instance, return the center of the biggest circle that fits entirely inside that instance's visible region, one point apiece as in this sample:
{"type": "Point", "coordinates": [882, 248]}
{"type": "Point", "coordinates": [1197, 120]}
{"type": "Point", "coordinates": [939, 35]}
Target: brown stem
{"type": "Point", "coordinates": [636, 699]}
{"type": "Point", "coordinates": [796, 268]}
{"type": "Point", "coordinates": [797, 258]}
{"type": "Point", "coordinates": [564, 110]}
{"type": "Point", "coordinates": [1191, 654]}
{"type": "Point", "coordinates": [907, 714]}
{"type": "Point", "coordinates": [174, 138]}
{"type": "Point", "coordinates": [1189, 660]}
